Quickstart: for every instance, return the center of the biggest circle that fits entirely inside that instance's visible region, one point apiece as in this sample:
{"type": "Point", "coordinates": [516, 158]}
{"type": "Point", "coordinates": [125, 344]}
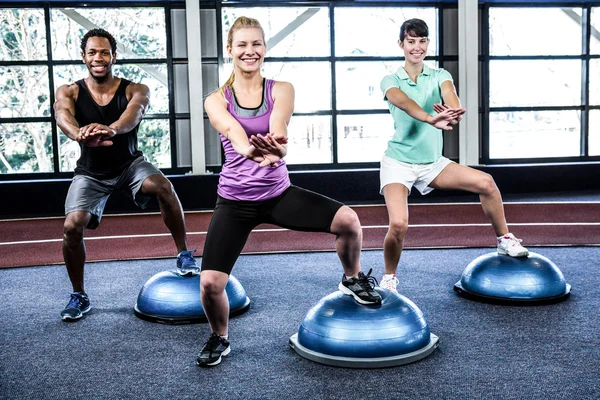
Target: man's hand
{"type": "Point", "coordinates": [95, 130]}
{"type": "Point", "coordinates": [96, 135]}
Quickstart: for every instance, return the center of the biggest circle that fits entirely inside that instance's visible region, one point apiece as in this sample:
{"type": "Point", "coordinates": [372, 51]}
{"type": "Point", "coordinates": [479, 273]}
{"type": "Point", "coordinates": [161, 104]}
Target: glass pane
{"type": "Point", "coordinates": [358, 83]}
{"type": "Point", "coordinates": [67, 74]}
{"type": "Point", "coordinates": [595, 39]}
{"type": "Point", "coordinates": [534, 134]}
{"type": "Point", "coordinates": [289, 31]}
{"type": "Point", "coordinates": [363, 138]}
{"type": "Point", "coordinates": [311, 80]}
{"type": "Point", "coordinates": [154, 140]}
{"type": "Point", "coordinates": [26, 147]}
{"type": "Point", "coordinates": [183, 142]}
{"type": "Point", "coordinates": [535, 83]}
{"type": "Point", "coordinates": [527, 31]}
{"type": "Point", "coordinates": [155, 77]}
{"type": "Point", "coordinates": [368, 31]}
{"type": "Point", "coordinates": [595, 82]}
{"type": "Point", "coordinates": [69, 151]}
{"type": "Point", "coordinates": [24, 92]}
{"type": "Point", "coordinates": [140, 32]}
{"type": "Point", "coordinates": [23, 35]}
{"type": "Point", "coordinates": [178, 33]}
{"type": "Point", "coordinates": [212, 143]}
{"type": "Point", "coordinates": [309, 140]}
{"type": "Point", "coordinates": [594, 130]}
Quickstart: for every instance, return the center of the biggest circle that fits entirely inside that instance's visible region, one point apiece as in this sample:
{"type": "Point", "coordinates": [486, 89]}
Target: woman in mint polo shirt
{"type": "Point", "coordinates": [414, 155]}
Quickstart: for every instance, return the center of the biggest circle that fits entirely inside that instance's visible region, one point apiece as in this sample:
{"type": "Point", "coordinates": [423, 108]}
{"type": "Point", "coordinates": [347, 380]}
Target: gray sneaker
{"type": "Point", "coordinates": [78, 305]}
{"type": "Point", "coordinates": [213, 351]}
{"type": "Point", "coordinates": [361, 288]}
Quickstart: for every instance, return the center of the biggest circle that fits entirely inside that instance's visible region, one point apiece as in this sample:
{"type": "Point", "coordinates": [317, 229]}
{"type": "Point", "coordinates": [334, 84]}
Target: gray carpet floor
{"type": "Point", "coordinates": [486, 351]}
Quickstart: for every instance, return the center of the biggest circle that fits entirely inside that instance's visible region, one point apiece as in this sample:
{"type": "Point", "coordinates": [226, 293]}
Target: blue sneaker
{"type": "Point", "coordinates": [186, 264]}
{"type": "Point", "coordinates": [78, 305]}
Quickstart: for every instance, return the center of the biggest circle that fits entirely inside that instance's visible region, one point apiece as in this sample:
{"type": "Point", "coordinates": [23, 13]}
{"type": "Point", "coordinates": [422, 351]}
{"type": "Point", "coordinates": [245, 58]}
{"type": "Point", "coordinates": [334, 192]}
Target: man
{"type": "Point", "coordinates": [102, 113]}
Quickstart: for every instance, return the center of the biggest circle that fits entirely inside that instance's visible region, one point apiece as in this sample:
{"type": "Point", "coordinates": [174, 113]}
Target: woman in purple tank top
{"type": "Point", "coordinates": [251, 115]}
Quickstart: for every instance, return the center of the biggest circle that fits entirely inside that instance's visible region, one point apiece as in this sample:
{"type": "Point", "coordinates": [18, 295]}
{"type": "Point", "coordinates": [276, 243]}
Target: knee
{"type": "Point", "coordinates": [73, 232]}
{"type": "Point", "coordinates": [346, 222]}
{"type": "Point", "coordinates": [398, 228]}
{"type": "Point", "coordinates": [487, 185]}
{"type": "Point", "coordinates": [211, 285]}
{"type": "Point", "coordinates": [164, 189]}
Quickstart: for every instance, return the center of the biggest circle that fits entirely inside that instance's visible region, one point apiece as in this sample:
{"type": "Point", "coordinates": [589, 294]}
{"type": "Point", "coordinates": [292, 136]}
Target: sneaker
{"type": "Point", "coordinates": [186, 264]}
{"type": "Point", "coordinates": [511, 246]}
{"type": "Point", "coordinates": [389, 282]}
{"type": "Point", "coordinates": [215, 348]}
{"type": "Point", "coordinates": [78, 305]}
{"type": "Point", "coordinates": [361, 288]}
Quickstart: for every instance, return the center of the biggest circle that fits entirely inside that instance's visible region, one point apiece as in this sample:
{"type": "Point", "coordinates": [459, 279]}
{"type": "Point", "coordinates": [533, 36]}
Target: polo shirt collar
{"type": "Point", "coordinates": [403, 75]}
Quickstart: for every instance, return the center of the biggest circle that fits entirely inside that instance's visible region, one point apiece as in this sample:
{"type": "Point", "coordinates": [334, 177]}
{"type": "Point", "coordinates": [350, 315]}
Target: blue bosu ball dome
{"type": "Point", "coordinates": [338, 331]}
{"type": "Point", "coordinates": [170, 298]}
{"type": "Point", "coordinates": [502, 279]}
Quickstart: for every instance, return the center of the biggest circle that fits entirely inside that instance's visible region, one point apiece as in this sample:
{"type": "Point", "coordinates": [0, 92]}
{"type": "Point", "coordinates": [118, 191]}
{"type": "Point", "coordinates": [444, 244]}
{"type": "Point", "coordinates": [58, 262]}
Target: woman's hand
{"type": "Point", "coordinates": [268, 149]}
{"type": "Point", "coordinates": [440, 108]}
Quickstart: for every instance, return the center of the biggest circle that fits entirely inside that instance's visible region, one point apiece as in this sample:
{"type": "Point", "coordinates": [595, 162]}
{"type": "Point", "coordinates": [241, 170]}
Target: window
{"type": "Point", "coordinates": [539, 95]}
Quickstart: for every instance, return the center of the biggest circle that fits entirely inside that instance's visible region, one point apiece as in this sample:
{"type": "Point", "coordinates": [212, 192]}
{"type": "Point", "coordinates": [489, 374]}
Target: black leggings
{"type": "Point", "coordinates": [296, 209]}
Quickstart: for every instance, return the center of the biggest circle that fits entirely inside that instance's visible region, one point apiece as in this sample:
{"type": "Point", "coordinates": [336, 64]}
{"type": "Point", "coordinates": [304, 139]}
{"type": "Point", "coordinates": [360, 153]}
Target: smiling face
{"type": "Point", "coordinates": [415, 48]}
{"type": "Point", "coordinates": [247, 49]}
{"type": "Point", "coordinates": [99, 58]}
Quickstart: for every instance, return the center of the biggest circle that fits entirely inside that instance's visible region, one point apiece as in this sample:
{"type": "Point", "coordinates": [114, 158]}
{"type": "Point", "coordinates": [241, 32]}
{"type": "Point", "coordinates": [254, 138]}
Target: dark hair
{"type": "Point", "coordinates": [99, 32]}
{"type": "Point", "coordinates": [414, 27]}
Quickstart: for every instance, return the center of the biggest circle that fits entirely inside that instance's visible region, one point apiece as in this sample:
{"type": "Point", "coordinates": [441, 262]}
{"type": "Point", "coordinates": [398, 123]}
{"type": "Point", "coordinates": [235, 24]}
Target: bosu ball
{"type": "Point", "coordinates": [170, 298]}
{"type": "Point", "coordinates": [340, 332]}
{"type": "Point", "coordinates": [501, 279]}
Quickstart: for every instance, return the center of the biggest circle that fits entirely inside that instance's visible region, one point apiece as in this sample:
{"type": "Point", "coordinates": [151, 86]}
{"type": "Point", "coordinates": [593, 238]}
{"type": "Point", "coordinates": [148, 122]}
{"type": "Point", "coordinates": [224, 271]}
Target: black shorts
{"type": "Point", "coordinates": [296, 209]}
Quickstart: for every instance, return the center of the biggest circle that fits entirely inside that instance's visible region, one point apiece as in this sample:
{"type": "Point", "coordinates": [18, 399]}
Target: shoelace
{"type": "Point", "coordinates": [213, 342]}
{"type": "Point", "coordinates": [515, 242]}
{"type": "Point", "coordinates": [75, 301]}
{"type": "Point", "coordinates": [393, 279]}
{"type": "Point", "coordinates": [368, 281]}
{"type": "Point", "coordinates": [188, 259]}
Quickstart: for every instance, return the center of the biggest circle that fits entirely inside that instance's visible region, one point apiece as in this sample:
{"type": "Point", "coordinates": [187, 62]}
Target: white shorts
{"type": "Point", "coordinates": [409, 175]}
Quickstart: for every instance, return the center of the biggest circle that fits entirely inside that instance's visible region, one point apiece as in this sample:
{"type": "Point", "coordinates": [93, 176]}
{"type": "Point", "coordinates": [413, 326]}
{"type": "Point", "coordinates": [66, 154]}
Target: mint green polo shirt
{"type": "Point", "coordinates": [415, 142]}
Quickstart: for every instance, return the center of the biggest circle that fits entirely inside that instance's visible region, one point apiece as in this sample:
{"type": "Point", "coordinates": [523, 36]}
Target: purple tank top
{"type": "Point", "coordinates": [241, 178]}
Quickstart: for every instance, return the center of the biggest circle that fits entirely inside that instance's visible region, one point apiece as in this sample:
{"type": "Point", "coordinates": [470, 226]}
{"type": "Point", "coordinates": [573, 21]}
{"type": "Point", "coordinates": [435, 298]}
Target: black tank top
{"type": "Point", "coordinates": [110, 161]}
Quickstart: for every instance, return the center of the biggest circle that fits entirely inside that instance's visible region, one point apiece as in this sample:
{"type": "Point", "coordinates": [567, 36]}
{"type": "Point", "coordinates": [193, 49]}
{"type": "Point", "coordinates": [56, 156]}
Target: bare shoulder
{"type": "Point", "coordinates": [283, 91]}
{"type": "Point", "coordinates": [215, 99]}
{"type": "Point", "coordinates": [283, 87]}
{"type": "Point", "coordinates": [137, 88]}
{"type": "Point", "coordinates": [67, 91]}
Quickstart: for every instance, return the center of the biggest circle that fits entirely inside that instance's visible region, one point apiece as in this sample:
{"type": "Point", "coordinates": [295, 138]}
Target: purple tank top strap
{"type": "Point", "coordinates": [229, 99]}
{"type": "Point", "coordinates": [269, 92]}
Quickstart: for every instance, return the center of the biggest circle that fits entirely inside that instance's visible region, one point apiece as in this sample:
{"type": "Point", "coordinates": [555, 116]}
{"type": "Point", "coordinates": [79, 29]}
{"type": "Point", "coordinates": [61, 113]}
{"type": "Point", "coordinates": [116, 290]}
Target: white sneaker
{"type": "Point", "coordinates": [511, 246]}
{"type": "Point", "coordinates": [389, 282]}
